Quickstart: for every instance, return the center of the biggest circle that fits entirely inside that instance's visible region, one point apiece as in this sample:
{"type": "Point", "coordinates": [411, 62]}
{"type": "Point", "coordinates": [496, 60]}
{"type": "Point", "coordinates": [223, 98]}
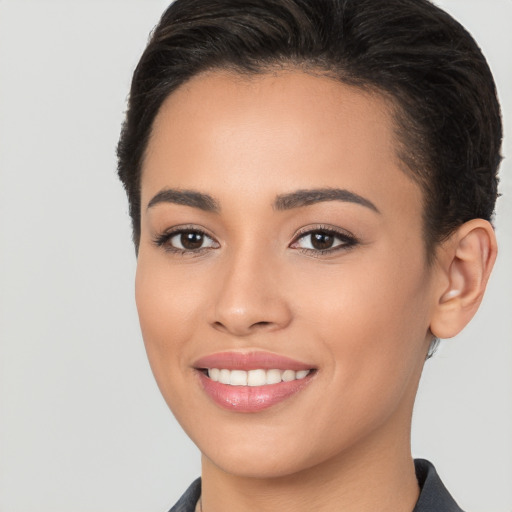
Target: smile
{"type": "Point", "coordinates": [259, 377]}
{"type": "Point", "coordinates": [251, 382]}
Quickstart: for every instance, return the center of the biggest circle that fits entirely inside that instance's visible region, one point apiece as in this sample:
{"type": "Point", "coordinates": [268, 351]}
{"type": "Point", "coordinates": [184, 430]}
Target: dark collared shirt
{"type": "Point", "coordinates": [433, 496]}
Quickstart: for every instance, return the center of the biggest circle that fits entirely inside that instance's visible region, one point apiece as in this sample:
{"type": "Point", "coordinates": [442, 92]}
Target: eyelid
{"type": "Point", "coordinates": [161, 239]}
{"type": "Point", "coordinates": [323, 227]}
{"type": "Point", "coordinates": [342, 234]}
{"type": "Point", "coordinates": [348, 239]}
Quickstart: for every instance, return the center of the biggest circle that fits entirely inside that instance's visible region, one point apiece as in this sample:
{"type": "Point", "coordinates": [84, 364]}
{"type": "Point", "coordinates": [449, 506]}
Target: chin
{"type": "Point", "coordinates": [262, 454]}
{"type": "Point", "coordinates": [259, 465]}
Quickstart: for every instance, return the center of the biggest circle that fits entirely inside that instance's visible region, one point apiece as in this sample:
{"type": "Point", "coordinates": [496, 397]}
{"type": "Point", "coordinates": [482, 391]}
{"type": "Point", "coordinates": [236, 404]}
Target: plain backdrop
{"type": "Point", "coordinates": [82, 425]}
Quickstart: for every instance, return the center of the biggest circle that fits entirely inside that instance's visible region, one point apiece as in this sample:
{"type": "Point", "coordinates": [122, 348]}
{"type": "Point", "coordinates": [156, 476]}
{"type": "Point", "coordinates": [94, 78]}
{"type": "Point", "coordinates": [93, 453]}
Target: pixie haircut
{"type": "Point", "coordinates": [445, 108]}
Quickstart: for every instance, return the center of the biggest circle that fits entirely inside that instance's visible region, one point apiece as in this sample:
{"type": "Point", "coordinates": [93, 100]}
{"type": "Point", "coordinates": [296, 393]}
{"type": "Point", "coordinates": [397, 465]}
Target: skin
{"type": "Point", "coordinates": [361, 315]}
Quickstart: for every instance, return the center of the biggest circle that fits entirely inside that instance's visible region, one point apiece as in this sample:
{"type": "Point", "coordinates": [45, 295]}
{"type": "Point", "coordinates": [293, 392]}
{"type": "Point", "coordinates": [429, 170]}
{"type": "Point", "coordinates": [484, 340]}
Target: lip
{"type": "Point", "coordinates": [250, 361]}
{"type": "Point", "coordinates": [249, 399]}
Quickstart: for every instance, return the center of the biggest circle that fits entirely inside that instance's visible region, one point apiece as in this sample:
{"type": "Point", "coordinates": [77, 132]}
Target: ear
{"type": "Point", "coordinates": [465, 262]}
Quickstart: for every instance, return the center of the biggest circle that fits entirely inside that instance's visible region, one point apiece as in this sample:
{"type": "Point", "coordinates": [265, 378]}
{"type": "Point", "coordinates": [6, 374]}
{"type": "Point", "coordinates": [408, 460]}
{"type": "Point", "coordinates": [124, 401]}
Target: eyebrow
{"type": "Point", "coordinates": [296, 199]}
{"type": "Point", "coordinates": [187, 198]}
{"type": "Point", "coordinates": [301, 198]}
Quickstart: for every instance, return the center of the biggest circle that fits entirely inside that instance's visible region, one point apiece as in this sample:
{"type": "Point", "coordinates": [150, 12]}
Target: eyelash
{"type": "Point", "coordinates": [163, 240]}
{"type": "Point", "coordinates": [347, 239]}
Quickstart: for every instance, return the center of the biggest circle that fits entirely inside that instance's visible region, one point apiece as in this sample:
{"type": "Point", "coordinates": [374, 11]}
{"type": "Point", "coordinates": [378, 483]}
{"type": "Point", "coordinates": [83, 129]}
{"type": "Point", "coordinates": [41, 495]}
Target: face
{"type": "Point", "coordinates": [282, 284]}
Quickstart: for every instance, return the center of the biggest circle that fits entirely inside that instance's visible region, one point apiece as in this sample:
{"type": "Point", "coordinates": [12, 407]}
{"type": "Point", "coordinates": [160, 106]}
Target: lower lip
{"type": "Point", "coordinates": [251, 398]}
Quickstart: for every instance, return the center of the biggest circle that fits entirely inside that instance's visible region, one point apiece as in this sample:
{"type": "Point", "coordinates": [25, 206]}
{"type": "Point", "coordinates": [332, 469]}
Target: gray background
{"type": "Point", "coordinates": [82, 425]}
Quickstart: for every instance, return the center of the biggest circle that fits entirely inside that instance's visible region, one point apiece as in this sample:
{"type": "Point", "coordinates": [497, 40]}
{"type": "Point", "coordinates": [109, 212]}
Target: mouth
{"type": "Point", "coordinates": [251, 382]}
{"type": "Point", "coordinates": [253, 378]}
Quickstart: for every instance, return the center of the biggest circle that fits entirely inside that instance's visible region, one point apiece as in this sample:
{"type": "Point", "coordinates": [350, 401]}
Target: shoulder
{"type": "Point", "coordinates": [434, 497]}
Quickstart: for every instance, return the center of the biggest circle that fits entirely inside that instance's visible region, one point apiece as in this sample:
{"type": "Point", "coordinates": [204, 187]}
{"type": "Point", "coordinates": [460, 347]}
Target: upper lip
{"type": "Point", "coordinates": [250, 361]}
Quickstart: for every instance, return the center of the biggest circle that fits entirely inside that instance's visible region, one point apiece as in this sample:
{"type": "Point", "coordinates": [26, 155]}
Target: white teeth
{"type": "Point", "coordinates": [224, 376]}
{"type": "Point", "coordinates": [214, 373]}
{"type": "Point", "coordinates": [273, 376]}
{"type": "Point", "coordinates": [255, 377]}
{"type": "Point", "coordinates": [288, 375]}
{"type": "Point", "coordinates": [238, 378]}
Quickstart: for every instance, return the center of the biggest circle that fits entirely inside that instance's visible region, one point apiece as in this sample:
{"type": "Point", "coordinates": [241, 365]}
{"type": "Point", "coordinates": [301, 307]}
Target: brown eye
{"type": "Point", "coordinates": [184, 241]}
{"type": "Point", "coordinates": [191, 240]}
{"type": "Point", "coordinates": [321, 240]}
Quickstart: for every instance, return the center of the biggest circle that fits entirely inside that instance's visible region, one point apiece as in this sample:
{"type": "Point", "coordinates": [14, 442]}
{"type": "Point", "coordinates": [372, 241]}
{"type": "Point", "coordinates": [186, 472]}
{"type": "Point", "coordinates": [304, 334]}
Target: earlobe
{"type": "Point", "coordinates": [466, 261]}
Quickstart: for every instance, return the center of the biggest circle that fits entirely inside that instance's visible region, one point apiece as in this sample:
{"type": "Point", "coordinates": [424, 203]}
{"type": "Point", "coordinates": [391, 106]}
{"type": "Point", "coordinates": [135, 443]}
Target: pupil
{"type": "Point", "coordinates": [322, 240]}
{"type": "Point", "coordinates": [191, 240]}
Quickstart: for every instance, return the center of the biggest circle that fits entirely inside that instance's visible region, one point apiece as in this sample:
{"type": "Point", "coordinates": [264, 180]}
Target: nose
{"type": "Point", "coordinates": [250, 296]}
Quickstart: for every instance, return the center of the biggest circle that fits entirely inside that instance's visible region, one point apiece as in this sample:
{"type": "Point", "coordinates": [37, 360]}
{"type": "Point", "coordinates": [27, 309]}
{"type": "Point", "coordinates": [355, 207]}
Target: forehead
{"type": "Point", "coordinates": [282, 130]}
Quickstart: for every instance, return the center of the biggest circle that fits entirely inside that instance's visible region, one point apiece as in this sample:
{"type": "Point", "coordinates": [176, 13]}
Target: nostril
{"type": "Point", "coordinates": [256, 324]}
{"type": "Point", "coordinates": [261, 324]}
{"type": "Point", "coordinates": [243, 317]}
{"type": "Point", "coordinates": [242, 330]}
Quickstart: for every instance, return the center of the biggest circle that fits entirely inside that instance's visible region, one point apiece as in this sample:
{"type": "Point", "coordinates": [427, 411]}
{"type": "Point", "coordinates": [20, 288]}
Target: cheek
{"type": "Point", "coordinates": [373, 322]}
{"type": "Point", "coordinates": [167, 305]}
{"type": "Point", "coordinates": [372, 291]}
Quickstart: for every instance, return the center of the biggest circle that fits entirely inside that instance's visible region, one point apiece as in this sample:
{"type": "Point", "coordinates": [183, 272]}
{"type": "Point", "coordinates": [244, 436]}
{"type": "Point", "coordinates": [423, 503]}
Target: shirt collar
{"type": "Point", "coordinates": [434, 496]}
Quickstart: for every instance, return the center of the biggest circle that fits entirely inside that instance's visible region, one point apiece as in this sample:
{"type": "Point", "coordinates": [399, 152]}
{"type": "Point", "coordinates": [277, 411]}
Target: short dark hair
{"type": "Point", "coordinates": [447, 115]}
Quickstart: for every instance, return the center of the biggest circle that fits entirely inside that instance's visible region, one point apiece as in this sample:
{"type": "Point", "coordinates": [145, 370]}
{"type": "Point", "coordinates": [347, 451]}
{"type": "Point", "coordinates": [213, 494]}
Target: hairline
{"type": "Point", "coordinates": [318, 69]}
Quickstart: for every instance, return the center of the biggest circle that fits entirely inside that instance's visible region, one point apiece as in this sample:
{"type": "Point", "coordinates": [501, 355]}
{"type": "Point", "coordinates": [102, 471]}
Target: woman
{"type": "Point", "coordinates": [311, 185]}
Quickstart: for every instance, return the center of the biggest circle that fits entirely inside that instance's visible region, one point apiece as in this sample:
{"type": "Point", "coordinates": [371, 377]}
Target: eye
{"type": "Point", "coordinates": [191, 240]}
{"type": "Point", "coordinates": [183, 240]}
{"type": "Point", "coordinates": [323, 240]}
